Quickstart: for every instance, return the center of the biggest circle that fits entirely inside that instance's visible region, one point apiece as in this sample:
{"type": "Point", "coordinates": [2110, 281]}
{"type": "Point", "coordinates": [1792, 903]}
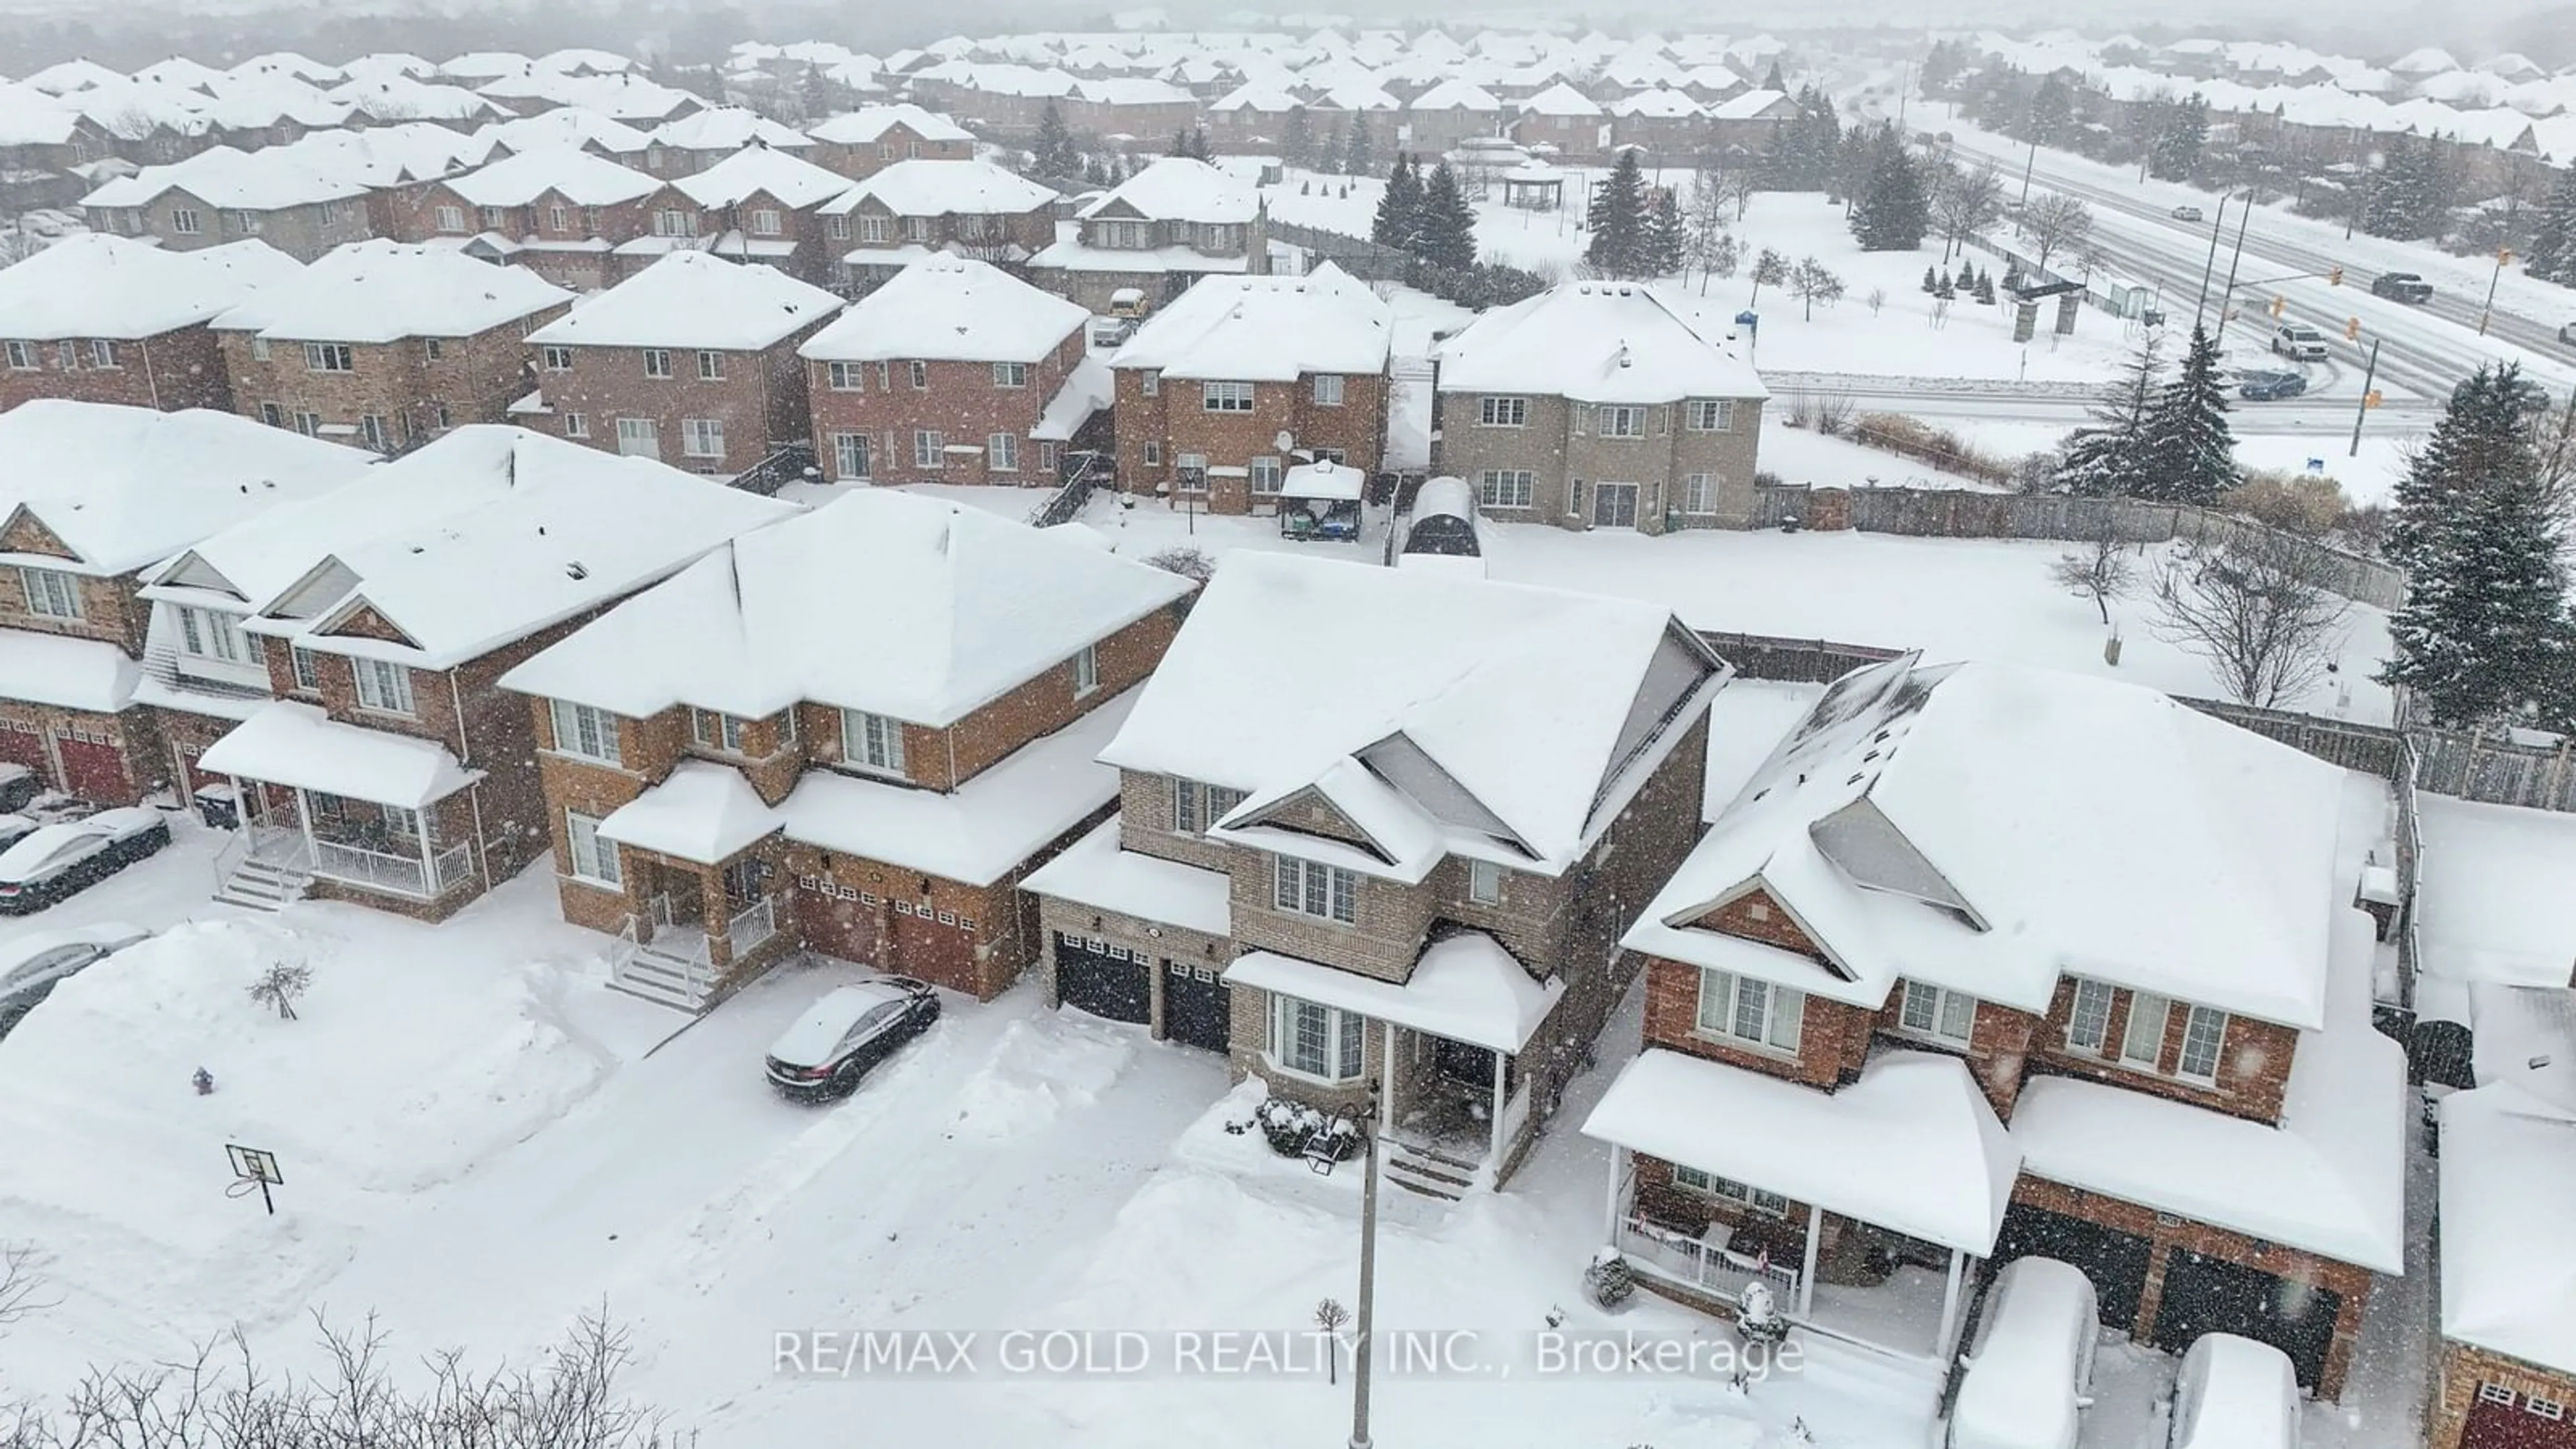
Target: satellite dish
{"type": "Point", "coordinates": [1285, 442]}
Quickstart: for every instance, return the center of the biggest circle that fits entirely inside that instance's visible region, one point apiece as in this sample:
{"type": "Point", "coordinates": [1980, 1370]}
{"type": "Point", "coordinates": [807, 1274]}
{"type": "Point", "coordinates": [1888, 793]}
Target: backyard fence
{"type": "Point", "coordinates": [1362, 258]}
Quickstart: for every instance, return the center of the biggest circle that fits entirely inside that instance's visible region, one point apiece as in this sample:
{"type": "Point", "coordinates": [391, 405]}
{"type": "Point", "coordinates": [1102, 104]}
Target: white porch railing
{"type": "Point", "coordinates": [752, 925]}
{"type": "Point", "coordinates": [1699, 1264]}
{"type": "Point", "coordinates": [403, 875]}
{"type": "Point", "coordinates": [1515, 1115]}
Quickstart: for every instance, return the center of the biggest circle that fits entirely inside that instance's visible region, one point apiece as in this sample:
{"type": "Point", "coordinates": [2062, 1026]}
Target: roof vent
{"type": "Point", "coordinates": [574, 570]}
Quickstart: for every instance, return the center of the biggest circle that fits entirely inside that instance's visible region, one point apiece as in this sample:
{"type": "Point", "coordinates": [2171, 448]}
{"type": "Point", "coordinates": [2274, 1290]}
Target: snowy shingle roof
{"type": "Point", "coordinates": [859, 127]}
{"type": "Point", "coordinates": [925, 187]}
{"type": "Point", "coordinates": [233, 180]}
{"type": "Point", "coordinates": [379, 291]}
{"type": "Point", "coordinates": [97, 285]}
{"type": "Point", "coordinates": [727, 128]}
{"type": "Point", "coordinates": [949, 309]}
{"type": "Point", "coordinates": [577, 176]}
{"type": "Point", "coordinates": [691, 299]}
{"type": "Point", "coordinates": [781, 175]}
{"type": "Point", "coordinates": [566, 126]}
{"type": "Point", "coordinates": [1265, 328]}
{"type": "Point", "coordinates": [1614, 342]}
{"type": "Point", "coordinates": [1561, 100]}
{"type": "Point", "coordinates": [1176, 188]}
{"type": "Point", "coordinates": [1458, 95]}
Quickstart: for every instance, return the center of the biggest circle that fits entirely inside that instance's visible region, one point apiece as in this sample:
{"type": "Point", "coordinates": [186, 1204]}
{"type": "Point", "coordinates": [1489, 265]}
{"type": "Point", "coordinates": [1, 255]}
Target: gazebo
{"type": "Point", "coordinates": [1534, 186]}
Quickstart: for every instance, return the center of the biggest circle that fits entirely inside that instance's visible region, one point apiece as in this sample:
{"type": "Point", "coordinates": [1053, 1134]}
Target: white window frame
{"type": "Point", "coordinates": [576, 425]}
{"type": "Point", "coordinates": [1484, 882]}
{"type": "Point", "coordinates": [1225, 397]}
{"type": "Point", "coordinates": [1010, 374]}
{"type": "Point", "coordinates": [449, 218]}
{"type": "Point", "coordinates": [845, 376]}
{"type": "Point", "coordinates": [216, 635]}
{"type": "Point", "coordinates": [710, 365]}
{"type": "Point", "coordinates": [1315, 890]}
{"type": "Point", "coordinates": [329, 357]}
{"type": "Point", "coordinates": [1151, 382]}
{"type": "Point", "coordinates": [872, 742]}
{"type": "Point", "coordinates": [1497, 411]}
{"type": "Point", "coordinates": [920, 375]}
{"type": "Point", "coordinates": [307, 667]}
{"type": "Point", "coordinates": [2144, 1006]}
{"type": "Point", "coordinates": [258, 350]}
{"type": "Point", "coordinates": [1621, 422]}
{"type": "Point", "coordinates": [384, 687]}
{"type": "Point", "coordinates": [645, 431]}
{"type": "Point", "coordinates": [581, 839]}
{"type": "Point", "coordinates": [1774, 1014]}
{"type": "Point", "coordinates": [1522, 484]}
{"type": "Point", "coordinates": [1002, 452]}
{"type": "Point", "coordinates": [702, 438]}
{"type": "Point", "coordinates": [1699, 493]}
{"type": "Point", "coordinates": [1328, 389]}
{"type": "Point", "coordinates": [1196, 805]}
{"type": "Point", "coordinates": [1317, 1042]}
{"type": "Point", "coordinates": [1937, 1014]}
{"type": "Point", "coordinates": [657, 363]}
{"type": "Point", "coordinates": [837, 226]}
{"type": "Point", "coordinates": [1710, 414]}
{"type": "Point", "coordinates": [556, 359]}
{"type": "Point", "coordinates": [726, 733]}
{"type": "Point", "coordinates": [587, 732]}
{"type": "Point", "coordinates": [2088, 1017]}
{"type": "Point", "coordinates": [185, 221]}
{"type": "Point", "coordinates": [850, 455]}
{"type": "Point", "coordinates": [1727, 1189]}
{"type": "Point", "coordinates": [1086, 670]}
{"type": "Point", "coordinates": [2204, 1033]}
{"type": "Point", "coordinates": [1266, 476]}
{"type": "Point", "coordinates": [929, 449]}
{"type": "Point", "coordinates": [51, 593]}
{"type": "Point", "coordinates": [765, 222]}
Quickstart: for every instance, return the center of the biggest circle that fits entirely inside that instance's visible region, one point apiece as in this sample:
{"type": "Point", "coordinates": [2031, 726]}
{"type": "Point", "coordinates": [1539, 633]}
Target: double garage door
{"type": "Point", "coordinates": [1109, 980]}
{"type": "Point", "coordinates": [2202, 1294]}
{"type": "Point", "coordinates": [2499, 1418]}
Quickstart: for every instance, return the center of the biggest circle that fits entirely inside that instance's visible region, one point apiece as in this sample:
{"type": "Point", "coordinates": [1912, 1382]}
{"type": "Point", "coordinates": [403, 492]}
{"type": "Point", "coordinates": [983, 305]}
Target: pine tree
{"type": "Point", "coordinates": [1986, 288]}
{"type": "Point", "coordinates": [2411, 197]}
{"type": "Point", "coordinates": [1055, 154]}
{"type": "Point", "coordinates": [2052, 112]}
{"type": "Point", "coordinates": [2552, 256]}
{"type": "Point", "coordinates": [2484, 432]}
{"type": "Point", "coordinates": [1660, 243]}
{"type": "Point", "coordinates": [1399, 211]}
{"type": "Point", "coordinates": [2175, 153]}
{"type": "Point", "coordinates": [2109, 458]}
{"type": "Point", "coordinates": [1361, 158]}
{"type": "Point", "coordinates": [1617, 220]}
{"type": "Point", "coordinates": [1967, 275]}
{"type": "Point", "coordinates": [1772, 81]}
{"type": "Point", "coordinates": [1446, 237]}
{"type": "Point", "coordinates": [1931, 278]}
{"type": "Point", "coordinates": [1329, 156]}
{"type": "Point", "coordinates": [2190, 454]}
{"type": "Point", "coordinates": [1297, 140]}
{"type": "Point", "coordinates": [1891, 212]}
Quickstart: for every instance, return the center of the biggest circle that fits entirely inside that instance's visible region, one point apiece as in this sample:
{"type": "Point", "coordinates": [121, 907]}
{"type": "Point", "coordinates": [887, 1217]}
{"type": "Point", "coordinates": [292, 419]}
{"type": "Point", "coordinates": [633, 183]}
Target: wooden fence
{"type": "Point", "coordinates": [1357, 255]}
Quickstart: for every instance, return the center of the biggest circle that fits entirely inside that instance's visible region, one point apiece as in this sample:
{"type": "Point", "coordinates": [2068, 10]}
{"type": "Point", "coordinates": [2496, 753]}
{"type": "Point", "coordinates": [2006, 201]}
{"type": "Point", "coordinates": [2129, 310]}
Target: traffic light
{"type": "Point", "coordinates": [2334, 276]}
{"type": "Point", "coordinates": [2352, 329]}
{"type": "Point", "coordinates": [2280, 305]}
{"type": "Point", "coordinates": [2370, 399]}
{"type": "Point", "coordinates": [2504, 256]}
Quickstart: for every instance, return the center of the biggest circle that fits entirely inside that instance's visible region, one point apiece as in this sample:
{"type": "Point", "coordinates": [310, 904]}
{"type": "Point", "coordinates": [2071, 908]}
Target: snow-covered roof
{"type": "Point", "coordinates": [1613, 342]}
{"type": "Point", "coordinates": [1088, 390]}
{"type": "Point", "coordinates": [949, 309]}
{"type": "Point", "coordinates": [1257, 96]}
{"type": "Point", "coordinates": [1070, 253]}
{"type": "Point", "coordinates": [292, 743]}
{"type": "Point", "coordinates": [32, 118]}
{"type": "Point", "coordinates": [1094, 872]}
{"type": "Point", "coordinates": [124, 487]}
{"type": "Point", "coordinates": [728, 128]}
{"type": "Point", "coordinates": [1178, 188]}
{"type": "Point", "coordinates": [1457, 716]}
{"type": "Point", "coordinates": [400, 98]}
{"type": "Point", "coordinates": [2330, 1179]}
{"type": "Point", "coordinates": [1659, 103]}
{"type": "Point", "coordinates": [87, 674]}
{"type": "Point", "coordinates": [97, 285]}
{"type": "Point", "coordinates": [1458, 95]}
{"type": "Point", "coordinates": [1267, 328]}
{"type": "Point", "coordinates": [1910, 1145]}
{"type": "Point", "coordinates": [1560, 99]}
{"type": "Point", "coordinates": [2494, 904]}
{"type": "Point", "coordinates": [691, 299]}
{"type": "Point", "coordinates": [866, 124]}
{"type": "Point", "coordinates": [66, 76]}
{"type": "Point", "coordinates": [2508, 1171]}
{"type": "Point", "coordinates": [378, 291]}
{"type": "Point", "coordinates": [573, 126]}
{"type": "Point", "coordinates": [938, 609]}
{"type": "Point", "coordinates": [1988, 828]}
{"type": "Point", "coordinates": [390, 155]}
{"type": "Point", "coordinates": [1464, 986]}
{"type": "Point", "coordinates": [781, 175]}
{"type": "Point", "coordinates": [2430, 60]}
{"type": "Point", "coordinates": [580, 177]}
{"type": "Point", "coordinates": [702, 811]}
{"type": "Point", "coordinates": [220, 176]}
{"type": "Point", "coordinates": [483, 65]}
{"type": "Point", "coordinates": [1746, 105]}
{"type": "Point", "coordinates": [932, 187]}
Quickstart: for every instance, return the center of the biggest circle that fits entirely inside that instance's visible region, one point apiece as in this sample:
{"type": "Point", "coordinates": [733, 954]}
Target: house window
{"type": "Point", "coordinates": [1266, 476]}
{"type": "Point", "coordinates": [2142, 1044]}
{"type": "Point", "coordinates": [576, 425]}
{"type": "Point", "coordinates": [102, 353]}
{"type": "Point", "coordinates": [1151, 383]}
{"type": "Point", "coordinates": [1086, 670]}
{"type": "Point", "coordinates": [1691, 1179]}
{"type": "Point", "coordinates": [373, 432]}
{"type": "Point", "coordinates": [872, 741]}
{"type": "Point", "coordinates": [639, 438]}
{"type": "Point", "coordinates": [2540, 1408]}
{"type": "Point", "coordinates": [929, 449]}
{"type": "Point", "coordinates": [1046, 457]}
{"type": "Point", "coordinates": [558, 219]}
{"type": "Point", "coordinates": [22, 356]}
{"type": "Point", "coordinates": [308, 667]}
{"type": "Point", "coordinates": [764, 222]}
{"type": "Point", "coordinates": [717, 731]}
{"type": "Point", "coordinates": [657, 362]}
{"type": "Point", "coordinates": [51, 593]}
{"type": "Point", "coordinates": [587, 732]}
{"type": "Point", "coordinates": [2201, 1036]}
{"type": "Point", "coordinates": [1699, 493]}
{"type": "Point", "coordinates": [1506, 488]}
{"type": "Point", "coordinates": [450, 219]}
{"type": "Point", "coordinates": [702, 437]}
{"type": "Point", "coordinates": [1742, 1009]}
{"type": "Point", "coordinates": [1931, 1011]}
{"type": "Point", "coordinates": [1196, 805]}
{"type": "Point", "coordinates": [837, 227]}
{"type": "Point", "coordinates": [1484, 882]}
{"type": "Point", "coordinates": [1002, 453]}
{"type": "Point", "coordinates": [2088, 1021]}
{"type": "Point", "coordinates": [383, 687]}
{"type": "Point", "coordinates": [1328, 389]}
{"type": "Point", "coordinates": [241, 223]}
{"type": "Point", "coordinates": [329, 357]}
{"type": "Point", "coordinates": [873, 229]}
{"type": "Point", "coordinates": [845, 376]}
{"type": "Point", "coordinates": [1505, 412]}
{"type": "Point", "coordinates": [850, 455]}
{"type": "Point", "coordinates": [1010, 374]}
{"type": "Point", "coordinates": [1623, 421]}
{"type": "Point", "coordinates": [593, 859]}
{"type": "Point", "coordinates": [2496, 1394]}
{"type": "Point", "coordinates": [920, 229]}
{"type": "Point", "coordinates": [1710, 415]}
{"type": "Point", "coordinates": [675, 223]}
{"type": "Point", "coordinates": [258, 349]}
{"type": "Point", "coordinates": [1310, 888]}
{"type": "Point", "coordinates": [431, 350]}
{"type": "Point", "coordinates": [214, 634]}
{"type": "Point", "coordinates": [1225, 397]}
{"type": "Point", "coordinates": [920, 375]}
{"type": "Point", "coordinates": [710, 367]}
{"type": "Point", "coordinates": [496, 218]}
{"type": "Point", "coordinates": [558, 359]}
{"type": "Point", "coordinates": [1318, 1041]}
{"type": "Point", "coordinates": [1153, 455]}
{"type": "Point", "coordinates": [309, 424]}
{"type": "Point", "coordinates": [271, 414]}
{"type": "Point", "coordinates": [185, 221]}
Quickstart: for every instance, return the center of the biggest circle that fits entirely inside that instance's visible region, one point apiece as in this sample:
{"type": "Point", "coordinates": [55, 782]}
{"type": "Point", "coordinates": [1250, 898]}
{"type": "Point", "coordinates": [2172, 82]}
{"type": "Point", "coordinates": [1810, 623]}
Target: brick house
{"type": "Point", "coordinates": [766, 206]}
{"type": "Point", "coordinates": [1157, 232]}
{"type": "Point", "coordinates": [1921, 1001]}
{"type": "Point", "coordinates": [382, 343]}
{"type": "Point", "coordinates": [1567, 120]}
{"type": "Point", "coordinates": [1243, 379]}
{"type": "Point", "coordinates": [1389, 856]}
{"type": "Point", "coordinates": [95, 495]}
{"type": "Point", "coordinates": [1448, 113]}
{"type": "Point", "coordinates": [1130, 112]}
{"type": "Point", "coordinates": [1749, 124]}
{"type": "Point", "coordinates": [106, 320]}
{"type": "Point", "coordinates": [700, 139]}
{"type": "Point", "coordinates": [916, 209]}
{"type": "Point", "coordinates": [569, 128]}
{"type": "Point", "coordinates": [1252, 117]}
{"type": "Point", "coordinates": [1601, 405]}
{"type": "Point", "coordinates": [223, 195]}
{"type": "Point", "coordinates": [954, 372]}
{"type": "Point", "coordinates": [1664, 126]}
{"type": "Point", "coordinates": [858, 144]}
{"type": "Point", "coordinates": [559, 213]}
{"type": "Point", "coordinates": [383, 765]}
{"type": "Point", "coordinates": [727, 783]}
{"type": "Point", "coordinates": [692, 360]}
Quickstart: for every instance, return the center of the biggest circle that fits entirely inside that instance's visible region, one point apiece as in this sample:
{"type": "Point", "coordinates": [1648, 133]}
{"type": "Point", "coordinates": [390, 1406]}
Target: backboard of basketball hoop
{"type": "Point", "coordinates": [251, 1164]}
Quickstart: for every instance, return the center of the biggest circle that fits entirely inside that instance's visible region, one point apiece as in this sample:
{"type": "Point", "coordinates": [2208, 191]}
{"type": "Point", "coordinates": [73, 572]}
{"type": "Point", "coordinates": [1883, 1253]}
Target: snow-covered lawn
{"type": "Point", "coordinates": [2367, 478]}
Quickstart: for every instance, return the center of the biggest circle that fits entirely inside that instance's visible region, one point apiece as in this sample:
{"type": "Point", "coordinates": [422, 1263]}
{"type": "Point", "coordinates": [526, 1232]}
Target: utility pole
{"type": "Point", "coordinates": [2209, 268]}
{"type": "Point", "coordinates": [2026, 168]}
{"type": "Point", "coordinates": [1364, 1323]}
{"type": "Point", "coordinates": [2486, 313]}
{"type": "Point", "coordinates": [2234, 258]}
{"type": "Point", "coordinates": [2363, 409]}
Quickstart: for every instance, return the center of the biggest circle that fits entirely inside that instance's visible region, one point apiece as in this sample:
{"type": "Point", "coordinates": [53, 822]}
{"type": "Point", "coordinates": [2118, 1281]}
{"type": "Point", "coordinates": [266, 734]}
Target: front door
{"type": "Point", "coordinates": [1457, 1061]}
{"type": "Point", "coordinates": [1614, 505]}
{"type": "Point", "coordinates": [639, 438]}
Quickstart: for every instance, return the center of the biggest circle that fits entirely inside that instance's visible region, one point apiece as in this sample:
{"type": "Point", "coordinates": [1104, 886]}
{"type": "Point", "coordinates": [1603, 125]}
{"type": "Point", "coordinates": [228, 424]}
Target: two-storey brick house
{"type": "Point", "coordinates": [1601, 405]}
{"type": "Point", "coordinates": [561, 213]}
{"type": "Point", "coordinates": [1382, 826]}
{"type": "Point", "coordinates": [385, 766]}
{"type": "Point", "coordinates": [382, 343]}
{"type": "Point", "coordinates": [690, 144]}
{"type": "Point", "coordinates": [765, 206]}
{"type": "Point", "coordinates": [954, 372]}
{"type": "Point", "coordinates": [93, 496]}
{"type": "Point", "coordinates": [692, 360]}
{"type": "Point", "coordinates": [916, 209]}
{"type": "Point", "coordinates": [1157, 232]}
{"type": "Point", "coordinates": [1243, 379]}
{"type": "Point", "coordinates": [858, 144]}
{"type": "Point", "coordinates": [850, 733]}
{"type": "Point", "coordinates": [1985, 962]}
{"type": "Point", "coordinates": [106, 320]}
{"type": "Point", "coordinates": [219, 195]}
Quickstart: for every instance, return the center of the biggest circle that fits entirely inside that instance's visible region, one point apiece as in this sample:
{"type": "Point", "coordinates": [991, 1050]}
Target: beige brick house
{"type": "Point", "coordinates": [1601, 405]}
{"type": "Point", "coordinates": [381, 344]}
{"type": "Point", "coordinates": [559, 212]}
{"type": "Point", "coordinates": [384, 766]}
{"type": "Point", "coordinates": [1366, 833]}
{"type": "Point", "coordinates": [1156, 233]}
{"type": "Point", "coordinates": [104, 319]}
{"type": "Point", "coordinates": [954, 372]}
{"type": "Point", "coordinates": [1985, 962]}
{"type": "Point", "coordinates": [1245, 378]}
{"type": "Point", "coordinates": [93, 497]}
{"type": "Point", "coordinates": [687, 145]}
{"type": "Point", "coordinates": [726, 781]}
{"type": "Point", "coordinates": [916, 209]}
{"type": "Point", "coordinates": [277, 195]}
{"type": "Point", "coordinates": [691, 361]}
{"type": "Point", "coordinates": [860, 143]}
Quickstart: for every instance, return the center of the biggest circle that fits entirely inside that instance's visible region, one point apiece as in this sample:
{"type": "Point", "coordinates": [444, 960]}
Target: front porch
{"type": "Point", "coordinates": [697, 858]}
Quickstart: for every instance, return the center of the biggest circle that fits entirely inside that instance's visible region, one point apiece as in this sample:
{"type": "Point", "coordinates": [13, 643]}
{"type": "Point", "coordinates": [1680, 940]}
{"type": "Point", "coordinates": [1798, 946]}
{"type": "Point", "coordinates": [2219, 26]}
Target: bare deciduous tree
{"type": "Point", "coordinates": [281, 986]}
{"type": "Point", "coordinates": [2258, 608]}
{"type": "Point", "coordinates": [2055, 220]}
{"type": "Point", "coordinates": [19, 1283]}
{"type": "Point", "coordinates": [2100, 572]}
{"type": "Point", "coordinates": [1811, 281]}
{"type": "Point", "coordinates": [1967, 202]}
{"type": "Point", "coordinates": [1330, 1315]}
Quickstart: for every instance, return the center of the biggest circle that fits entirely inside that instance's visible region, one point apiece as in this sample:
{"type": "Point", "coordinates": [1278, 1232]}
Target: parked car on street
{"type": "Point", "coordinates": [2402, 287]}
{"type": "Point", "coordinates": [55, 861]}
{"type": "Point", "coordinates": [843, 1036]}
{"type": "Point", "coordinates": [2271, 386]}
{"type": "Point", "coordinates": [2188, 213]}
{"type": "Point", "coordinates": [2299, 342]}
{"type": "Point", "coordinates": [2030, 1368]}
{"type": "Point", "coordinates": [2235, 1393]}
{"type": "Point", "coordinates": [32, 966]}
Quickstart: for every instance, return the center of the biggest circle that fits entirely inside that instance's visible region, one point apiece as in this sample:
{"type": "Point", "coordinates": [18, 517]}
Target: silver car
{"type": "Point", "coordinates": [33, 965]}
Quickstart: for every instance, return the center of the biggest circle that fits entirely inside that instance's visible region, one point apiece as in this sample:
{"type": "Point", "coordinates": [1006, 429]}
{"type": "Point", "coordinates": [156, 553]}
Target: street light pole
{"type": "Point", "coordinates": [2233, 260]}
{"type": "Point", "coordinates": [2209, 268]}
{"type": "Point", "coordinates": [2486, 313]}
{"type": "Point", "coordinates": [2026, 168]}
{"type": "Point", "coordinates": [1364, 1322]}
{"type": "Point", "coordinates": [2362, 410]}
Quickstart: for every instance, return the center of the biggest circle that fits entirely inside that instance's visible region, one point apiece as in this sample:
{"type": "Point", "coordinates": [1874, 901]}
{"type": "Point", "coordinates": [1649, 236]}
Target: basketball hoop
{"type": "Point", "coordinates": [253, 1168]}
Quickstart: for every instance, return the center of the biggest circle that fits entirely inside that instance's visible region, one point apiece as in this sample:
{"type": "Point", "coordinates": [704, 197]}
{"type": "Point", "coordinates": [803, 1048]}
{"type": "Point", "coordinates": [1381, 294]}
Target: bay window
{"type": "Point", "coordinates": [1318, 1041]}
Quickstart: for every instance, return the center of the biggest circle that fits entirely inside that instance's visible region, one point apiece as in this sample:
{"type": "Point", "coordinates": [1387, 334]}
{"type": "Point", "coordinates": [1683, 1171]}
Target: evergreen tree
{"type": "Point", "coordinates": [1804, 153]}
{"type": "Point", "coordinates": [1986, 288]}
{"type": "Point", "coordinates": [2190, 454]}
{"type": "Point", "coordinates": [1617, 220]}
{"type": "Point", "coordinates": [1771, 79]}
{"type": "Point", "coordinates": [1931, 278]}
{"type": "Point", "coordinates": [1967, 275]}
{"type": "Point", "coordinates": [2175, 153]}
{"type": "Point", "coordinates": [1190, 143]}
{"type": "Point", "coordinates": [2109, 458]}
{"type": "Point", "coordinates": [1361, 158]}
{"type": "Point", "coordinates": [1054, 153]}
{"type": "Point", "coordinates": [1297, 140]}
{"type": "Point", "coordinates": [2484, 432]}
{"type": "Point", "coordinates": [1446, 237]}
{"type": "Point", "coordinates": [2052, 113]}
{"type": "Point", "coordinates": [1660, 244]}
{"type": "Point", "coordinates": [1890, 212]}
{"type": "Point", "coordinates": [1328, 156]}
{"type": "Point", "coordinates": [1399, 211]}
{"type": "Point", "coordinates": [2552, 256]}
{"type": "Point", "coordinates": [2410, 199]}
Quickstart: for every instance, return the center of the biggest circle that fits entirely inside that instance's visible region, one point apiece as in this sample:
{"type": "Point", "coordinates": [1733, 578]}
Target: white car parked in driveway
{"type": "Point", "coordinates": [32, 966]}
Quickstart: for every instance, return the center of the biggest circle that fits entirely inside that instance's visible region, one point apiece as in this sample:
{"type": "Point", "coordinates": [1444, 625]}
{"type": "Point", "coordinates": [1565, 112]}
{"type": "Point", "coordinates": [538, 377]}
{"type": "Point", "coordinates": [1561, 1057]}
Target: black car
{"type": "Point", "coordinates": [2401, 287]}
{"type": "Point", "coordinates": [53, 861]}
{"type": "Point", "coordinates": [19, 786]}
{"type": "Point", "coordinates": [841, 1037]}
{"type": "Point", "coordinates": [2271, 386]}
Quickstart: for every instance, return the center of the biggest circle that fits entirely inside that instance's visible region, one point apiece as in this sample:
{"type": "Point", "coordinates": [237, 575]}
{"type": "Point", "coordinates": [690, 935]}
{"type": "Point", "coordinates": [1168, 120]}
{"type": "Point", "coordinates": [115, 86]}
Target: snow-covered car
{"type": "Point", "coordinates": [2188, 213]}
{"type": "Point", "coordinates": [2299, 342]}
{"type": "Point", "coordinates": [54, 861]}
{"type": "Point", "coordinates": [2567, 333]}
{"type": "Point", "coordinates": [18, 786]}
{"type": "Point", "coordinates": [844, 1035]}
{"type": "Point", "coordinates": [2235, 1393]}
{"type": "Point", "coordinates": [2271, 386]}
{"type": "Point", "coordinates": [2030, 1369]}
{"type": "Point", "coordinates": [14, 828]}
{"type": "Point", "coordinates": [2401, 287]}
{"type": "Point", "coordinates": [32, 966]}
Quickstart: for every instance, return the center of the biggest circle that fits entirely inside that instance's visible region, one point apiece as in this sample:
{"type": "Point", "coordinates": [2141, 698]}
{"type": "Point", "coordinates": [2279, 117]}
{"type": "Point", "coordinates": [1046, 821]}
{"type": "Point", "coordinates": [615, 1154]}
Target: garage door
{"type": "Point", "coordinates": [2116, 1262]}
{"type": "Point", "coordinates": [22, 744]}
{"type": "Point", "coordinates": [935, 946]}
{"type": "Point", "coordinates": [2211, 1295]}
{"type": "Point", "coordinates": [837, 920]}
{"type": "Point", "coordinates": [2499, 1418]}
{"type": "Point", "coordinates": [1197, 1006]}
{"type": "Point", "coordinates": [1103, 979]}
{"type": "Point", "coordinates": [94, 767]}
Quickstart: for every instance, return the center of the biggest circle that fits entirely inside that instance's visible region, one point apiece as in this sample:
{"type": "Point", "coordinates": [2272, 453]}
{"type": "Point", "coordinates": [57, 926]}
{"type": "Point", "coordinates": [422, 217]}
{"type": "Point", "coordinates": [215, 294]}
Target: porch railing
{"type": "Point", "coordinates": [267, 844]}
{"type": "Point", "coordinates": [1678, 1255]}
{"type": "Point", "coordinates": [398, 874]}
{"type": "Point", "coordinates": [752, 925]}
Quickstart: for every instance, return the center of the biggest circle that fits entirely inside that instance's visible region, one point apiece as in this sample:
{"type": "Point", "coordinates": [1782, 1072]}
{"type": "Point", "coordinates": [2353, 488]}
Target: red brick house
{"type": "Point", "coordinates": [954, 372]}
{"type": "Point", "coordinates": [384, 766]}
{"type": "Point", "coordinates": [915, 209]}
{"type": "Point", "coordinates": [559, 213]}
{"type": "Point", "coordinates": [106, 320]}
{"type": "Point", "coordinates": [1244, 378]}
{"type": "Point", "coordinates": [1923, 1000]}
{"type": "Point", "coordinates": [725, 782]}
{"type": "Point", "coordinates": [858, 144]}
{"type": "Point", "coordinates": [767, 206]}
{"type": "Point", "coordinates": [96, 495]}
{"type": "Point", "coordinates": [692, 361]}
{"type": "Point", "coordinates": [1157, 232]}
{"type": "Point", "coordinates": [383, 343]}
{"type": "Point", "coordinates": [700, 139]}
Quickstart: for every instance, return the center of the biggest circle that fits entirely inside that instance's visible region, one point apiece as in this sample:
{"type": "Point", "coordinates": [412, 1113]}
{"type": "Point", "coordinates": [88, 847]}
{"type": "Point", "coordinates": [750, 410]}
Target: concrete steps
{"type": "Point", "coordinates": [259, 886]}
{"type": "Point", "coordinates": [1428, 1172]}
{"type": "Point", "coordinates": [663, 979]}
